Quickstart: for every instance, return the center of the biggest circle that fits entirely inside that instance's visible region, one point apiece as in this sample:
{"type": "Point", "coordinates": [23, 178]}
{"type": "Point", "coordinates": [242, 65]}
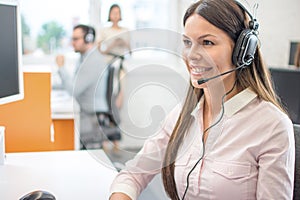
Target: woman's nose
{"type": "Point", "coordinates": [195, 53]}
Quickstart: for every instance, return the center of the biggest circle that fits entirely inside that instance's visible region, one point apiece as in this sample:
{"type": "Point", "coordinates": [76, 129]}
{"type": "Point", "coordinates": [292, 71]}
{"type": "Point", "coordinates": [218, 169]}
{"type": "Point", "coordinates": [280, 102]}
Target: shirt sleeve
{"type": "Point", "coordinates": [90, 71]}
{"type": "Point", "coordinates": [276, 163]}
{"type": "Point", "coordinates": [66, 78]}
{"type": "Point", "coordinates": [147, 163]}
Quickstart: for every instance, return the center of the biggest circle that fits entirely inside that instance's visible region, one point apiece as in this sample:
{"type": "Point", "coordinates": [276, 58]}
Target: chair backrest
{"type": "Point", "coordinates": [286, 81]}
{"type": "Point", "coordinates": [113, 82]}
{"type": "Point", "coordinates": [297, 162]}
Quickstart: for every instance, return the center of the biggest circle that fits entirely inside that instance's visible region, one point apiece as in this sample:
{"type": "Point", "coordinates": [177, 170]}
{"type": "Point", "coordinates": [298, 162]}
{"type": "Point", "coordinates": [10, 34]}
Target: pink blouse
{"type": "Point", "coordinates": [249, 154]}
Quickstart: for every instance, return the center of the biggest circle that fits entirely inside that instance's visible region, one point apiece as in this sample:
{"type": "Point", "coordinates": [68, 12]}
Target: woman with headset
{"type": "Point", "coordinates": [230, 139]}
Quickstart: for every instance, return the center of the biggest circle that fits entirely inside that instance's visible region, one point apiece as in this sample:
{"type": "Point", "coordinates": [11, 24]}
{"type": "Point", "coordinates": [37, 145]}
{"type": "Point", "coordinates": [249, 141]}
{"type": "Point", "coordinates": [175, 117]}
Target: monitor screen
{"type": "Point", "coordinates": [11, 75]}
{"type": "Point", "coordinates": [287, 84]}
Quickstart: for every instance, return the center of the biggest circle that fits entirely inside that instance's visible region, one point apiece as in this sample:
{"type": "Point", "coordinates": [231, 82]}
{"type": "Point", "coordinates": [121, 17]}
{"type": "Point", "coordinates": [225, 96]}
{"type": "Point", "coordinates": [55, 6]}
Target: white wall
{"type": "Point", "coordinates": [280, 24]}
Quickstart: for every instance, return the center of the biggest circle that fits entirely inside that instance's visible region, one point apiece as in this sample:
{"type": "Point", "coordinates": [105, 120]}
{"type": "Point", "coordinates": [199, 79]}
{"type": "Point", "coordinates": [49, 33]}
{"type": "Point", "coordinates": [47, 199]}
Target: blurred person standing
{"type": "Point", "coordinates": [83, 85]}
{"type": "Point", "coordinates": [114, 40]}
{"type": "Point", "coordinates": [113, 43]}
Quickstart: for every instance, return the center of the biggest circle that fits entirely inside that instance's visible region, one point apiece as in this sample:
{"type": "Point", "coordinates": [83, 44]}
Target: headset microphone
{"type": "Point", "coordinates": [204, 80]}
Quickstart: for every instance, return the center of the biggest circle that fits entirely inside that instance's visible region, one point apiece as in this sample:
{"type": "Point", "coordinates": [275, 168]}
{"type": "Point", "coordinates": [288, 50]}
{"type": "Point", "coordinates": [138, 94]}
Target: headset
{"type": "Point", "coordinates": [246, 44]}
{"type": "Point", "coordinates": [89, 36]}
{"type": "Point", "coordinates": [244, 49]}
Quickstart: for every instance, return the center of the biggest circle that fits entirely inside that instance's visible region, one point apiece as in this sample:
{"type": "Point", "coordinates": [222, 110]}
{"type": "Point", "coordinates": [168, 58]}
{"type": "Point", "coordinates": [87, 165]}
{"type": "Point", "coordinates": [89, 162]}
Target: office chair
{"type": "Point", "coordinates": [297, 162]}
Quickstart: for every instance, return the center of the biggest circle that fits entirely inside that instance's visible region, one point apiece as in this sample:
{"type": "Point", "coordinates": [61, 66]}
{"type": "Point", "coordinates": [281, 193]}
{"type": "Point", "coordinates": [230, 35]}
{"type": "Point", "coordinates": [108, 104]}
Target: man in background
{"type": "Point", "coordinates": [86, 85]}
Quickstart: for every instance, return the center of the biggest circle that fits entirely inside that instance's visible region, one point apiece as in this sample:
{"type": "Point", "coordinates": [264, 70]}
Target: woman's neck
{"type": "Point", "coordinates": [115, 25]}
{"type": "Point", "coordinates": [213, 102]}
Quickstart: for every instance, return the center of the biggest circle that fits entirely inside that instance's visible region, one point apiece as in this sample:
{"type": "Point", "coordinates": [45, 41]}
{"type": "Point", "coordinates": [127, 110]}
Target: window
{"type": "Point", "coordinates": [47, 25]}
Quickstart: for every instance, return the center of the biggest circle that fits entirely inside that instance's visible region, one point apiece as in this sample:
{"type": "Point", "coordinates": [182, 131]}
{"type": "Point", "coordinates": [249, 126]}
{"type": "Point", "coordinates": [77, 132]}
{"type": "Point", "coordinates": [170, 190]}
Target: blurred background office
{"type": "Point", "coordinates": [47, 28]}
{"type": "Point", "coordinates": [279, 22]}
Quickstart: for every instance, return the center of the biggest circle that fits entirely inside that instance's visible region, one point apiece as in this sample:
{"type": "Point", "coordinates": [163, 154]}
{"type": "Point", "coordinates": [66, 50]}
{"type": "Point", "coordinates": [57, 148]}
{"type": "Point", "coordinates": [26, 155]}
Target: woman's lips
{"type": "Point", "coordinates": [199, 71]}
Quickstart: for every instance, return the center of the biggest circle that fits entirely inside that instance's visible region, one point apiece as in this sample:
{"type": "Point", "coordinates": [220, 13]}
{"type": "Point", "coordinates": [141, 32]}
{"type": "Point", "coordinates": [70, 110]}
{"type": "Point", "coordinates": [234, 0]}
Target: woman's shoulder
{"type": "Point", "coordinates": [263, 115]}
{"type": "Point", "coordinates": [276, 126]}
{"type": "Point", "coordinates": [271, 109]}
{"type": "Point", "coordinates": [122, 28]}
{"type": "Point", "coordinates": [105, 29]}
{"type": "Point", "coordinates": [109, 31]}
{"type": "Point", "coordinates": [272, 114]}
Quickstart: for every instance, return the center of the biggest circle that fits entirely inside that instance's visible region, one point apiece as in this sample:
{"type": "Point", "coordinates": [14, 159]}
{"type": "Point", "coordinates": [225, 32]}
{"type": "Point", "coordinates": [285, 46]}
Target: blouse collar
{"type": "Point", "coordinates": [233, 105]}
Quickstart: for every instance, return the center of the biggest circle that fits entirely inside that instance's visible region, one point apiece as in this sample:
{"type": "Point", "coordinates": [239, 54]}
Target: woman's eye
{"type": "Point", "coordinates": [207, 42]}
{"type": "Point", "coordinates": [187, 43]}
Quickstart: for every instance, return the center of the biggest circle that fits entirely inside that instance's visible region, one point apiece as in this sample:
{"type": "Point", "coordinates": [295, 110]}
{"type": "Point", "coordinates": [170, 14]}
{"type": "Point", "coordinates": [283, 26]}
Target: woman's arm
{"type": "Point", "coordinates": [276, 163]}
{"type": "Point", "coordinates": [119, 196]}
{"type": "Point", "coordinates": [147, 163]}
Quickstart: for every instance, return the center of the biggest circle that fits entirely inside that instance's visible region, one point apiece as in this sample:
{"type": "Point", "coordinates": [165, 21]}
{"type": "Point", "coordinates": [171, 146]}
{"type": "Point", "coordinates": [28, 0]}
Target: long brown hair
{"type": "Point", "coordinates": [297, 56]}
{"type": "Point", "coordinates": [229, 17]}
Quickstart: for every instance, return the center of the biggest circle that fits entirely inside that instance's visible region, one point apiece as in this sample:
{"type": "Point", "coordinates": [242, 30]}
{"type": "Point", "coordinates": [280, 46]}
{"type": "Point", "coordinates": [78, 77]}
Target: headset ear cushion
{"type": "Point", "coordinates": [245, 48]}
{"type": "Point", "coordinates": [89, 38]}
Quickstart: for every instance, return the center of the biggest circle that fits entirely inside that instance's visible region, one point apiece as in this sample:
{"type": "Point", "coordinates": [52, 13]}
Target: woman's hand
{"type": "Point", "coordinates": [119, 196]}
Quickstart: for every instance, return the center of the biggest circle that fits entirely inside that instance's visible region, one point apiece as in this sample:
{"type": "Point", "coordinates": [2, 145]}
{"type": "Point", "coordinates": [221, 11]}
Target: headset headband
{"type": "Point", "coordinates": [253, 24]}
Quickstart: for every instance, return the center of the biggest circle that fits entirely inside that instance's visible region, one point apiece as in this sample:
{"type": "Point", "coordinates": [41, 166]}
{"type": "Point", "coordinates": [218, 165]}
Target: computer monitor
{"type": "Point", "coordinates": [11, 75]}
{"type": "Point", "coordinates": [287, 84]}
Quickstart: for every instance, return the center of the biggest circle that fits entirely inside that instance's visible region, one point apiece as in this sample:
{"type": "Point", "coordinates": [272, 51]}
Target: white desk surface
{"type": "Point", "coordinates": [69, 175]}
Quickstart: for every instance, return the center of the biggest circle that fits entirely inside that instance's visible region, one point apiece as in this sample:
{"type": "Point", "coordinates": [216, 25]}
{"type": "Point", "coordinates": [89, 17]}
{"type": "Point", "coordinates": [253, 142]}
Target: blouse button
{"type": "Point", "coordinates": [229, 171]}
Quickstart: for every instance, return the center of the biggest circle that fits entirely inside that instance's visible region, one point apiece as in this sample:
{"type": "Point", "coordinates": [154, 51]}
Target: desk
{"type": "Point", "coordinates": [65, 113]}
{"type": "Point", "coordinates": [69, 175]}
{"type": "Point", "coordinates": [63, 106]}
